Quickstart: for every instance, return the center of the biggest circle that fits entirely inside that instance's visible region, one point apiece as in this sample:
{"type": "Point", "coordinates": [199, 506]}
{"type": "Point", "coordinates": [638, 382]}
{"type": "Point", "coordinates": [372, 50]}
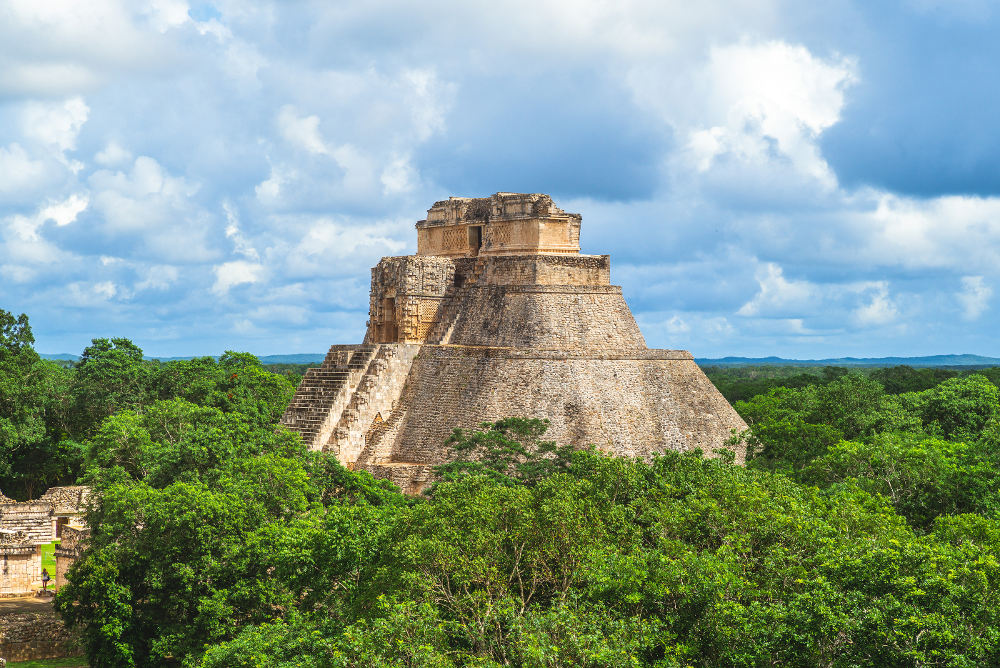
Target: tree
{"type": "Point", "coordinates": [110, 376]}
{"type": "Point", "coordinates": [961, 407]}
{"type": "Point", "coordinates": [170, 570]}
{"type": "Point", "coordinates": [509, 451]}
{"type": "Point", "coordinates": [32, 391]}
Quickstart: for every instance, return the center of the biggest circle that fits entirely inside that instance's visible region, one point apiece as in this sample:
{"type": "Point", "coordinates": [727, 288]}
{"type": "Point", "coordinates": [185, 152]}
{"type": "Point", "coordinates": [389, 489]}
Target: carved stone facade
{"type": "Point", "coordinates": [499, 315]}
{"type": "Point", "coordinates": [504, 224]}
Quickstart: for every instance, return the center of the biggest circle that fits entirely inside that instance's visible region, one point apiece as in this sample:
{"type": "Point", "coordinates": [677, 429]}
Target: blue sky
{"type": "Point", "coordinates": [770, 178]}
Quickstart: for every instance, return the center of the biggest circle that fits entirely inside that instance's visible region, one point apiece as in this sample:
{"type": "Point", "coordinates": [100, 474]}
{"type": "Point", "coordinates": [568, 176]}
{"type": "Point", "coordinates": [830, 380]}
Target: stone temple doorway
{"type": "Point", "coordinates": [475, 238]}
{"type": "Point", "coordinates": [389, 330]}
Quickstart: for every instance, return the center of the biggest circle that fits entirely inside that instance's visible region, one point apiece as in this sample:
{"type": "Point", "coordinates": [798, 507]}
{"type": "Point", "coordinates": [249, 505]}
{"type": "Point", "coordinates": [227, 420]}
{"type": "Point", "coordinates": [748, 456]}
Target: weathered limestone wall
{"type": "Point", "coordinates": [20, 569]}
{"type": "Point", "coordinates": [575, 270]}
{"type": "Point", "coordinates": [324, 392]}
{"type": "Point", "coordinates": [32, 636]}
{"type": "Point", "coordinates": [68, 501]}
{"type": "Point", "coordinates": [546, 317]}
{"type": "Point", "coordinates": [630, 403]}
{"type": "Point", "coordinates": [68, 551]}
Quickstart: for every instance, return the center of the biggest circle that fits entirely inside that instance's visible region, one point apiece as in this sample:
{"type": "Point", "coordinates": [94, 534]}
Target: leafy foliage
{"type": "Point", "coordinates": [863, 530]}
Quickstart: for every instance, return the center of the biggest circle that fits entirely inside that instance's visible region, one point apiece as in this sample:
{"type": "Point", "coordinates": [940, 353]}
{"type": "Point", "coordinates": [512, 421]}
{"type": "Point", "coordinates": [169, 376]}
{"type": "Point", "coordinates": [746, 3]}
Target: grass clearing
{"type": "Point", "coordinates": [49, 558]}
{"type": "Point", "coordinates": [74, 662]}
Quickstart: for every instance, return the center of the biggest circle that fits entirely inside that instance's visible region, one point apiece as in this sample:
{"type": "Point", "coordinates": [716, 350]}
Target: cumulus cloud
{"type": "Point", "coordinates": [61, 213]}
{"type": "Point", "coordinates": [158, 156]}
{"type": "Point", "coordinates": [778, 295]}
{"type": "Point", "coordinates": [768, 101]}
{"type": "Point", "coordinates": [55, 124]}
{"type": "Point", "coordinates": [301, 132]}
{"type": "Point", "coordinates": [18, 170]}
{"type": "Point", "coordinates": [238, 272]}
{"type": "Point", "coordinates": [880, 310]}
{"type": "Point", "coordinates": [974, 297]}
{"type": "Point", "coordinates": [112, 155]}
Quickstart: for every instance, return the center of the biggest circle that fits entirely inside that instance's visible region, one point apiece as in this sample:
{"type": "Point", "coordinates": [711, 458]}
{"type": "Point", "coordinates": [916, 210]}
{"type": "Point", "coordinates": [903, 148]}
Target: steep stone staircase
{"type": "Point", "coordinates": [325, 391]}
{"type": "Point", "coordinates": [376, 394]}
{"type": "Point", "coordinates": [451, 305]}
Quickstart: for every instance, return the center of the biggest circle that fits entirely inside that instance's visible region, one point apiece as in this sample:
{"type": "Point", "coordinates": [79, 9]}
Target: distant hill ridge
{"type": "Point", "coordinates": [297, 358]}
{"type": "Point", "coordinates": [926, 361]}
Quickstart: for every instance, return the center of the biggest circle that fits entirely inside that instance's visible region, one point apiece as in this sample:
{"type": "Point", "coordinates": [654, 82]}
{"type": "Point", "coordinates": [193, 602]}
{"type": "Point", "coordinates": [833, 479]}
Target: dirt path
{"type": "Point", "coordinates": [42, 606]}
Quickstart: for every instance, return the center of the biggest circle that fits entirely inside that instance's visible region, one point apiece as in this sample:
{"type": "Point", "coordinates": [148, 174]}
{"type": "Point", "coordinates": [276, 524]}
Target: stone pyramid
{"type": "Point", "coordinates": [499, 315]}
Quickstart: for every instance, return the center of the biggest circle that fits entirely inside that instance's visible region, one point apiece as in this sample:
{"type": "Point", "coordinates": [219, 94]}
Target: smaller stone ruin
{"type": "Point", "coordinates": [19, 567]}
{"type": "Point", "coordinates": [69, 550]}
{"type": "Point", "coordinates": [28, 525]}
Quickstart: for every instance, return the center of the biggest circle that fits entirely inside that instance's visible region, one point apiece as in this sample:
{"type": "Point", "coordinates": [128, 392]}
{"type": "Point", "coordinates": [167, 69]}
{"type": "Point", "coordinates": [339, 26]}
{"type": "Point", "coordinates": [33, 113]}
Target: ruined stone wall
{"type": "Point", "coordinates": [325, 391]}
{"type": "Point", "coordinates": [576, 270]}
{"type": "Point", "coordinates": [546, 317]}
{"type": "Point", "coordinates": [33, 636]}
{"type": "Point", "coordinates": [68, 551]}
{"type": "Point", "coordinates": [20, 565]}
{"type": "Point", "coordinates": [68, 501]}
{"type": "Point", "coordinates": [630, 403]}
{"type": "Point", "coordinates": [35, 518]}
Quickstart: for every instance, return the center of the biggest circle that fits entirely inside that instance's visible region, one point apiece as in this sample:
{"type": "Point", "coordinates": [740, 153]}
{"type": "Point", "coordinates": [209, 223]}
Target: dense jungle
{"type": "Point", "coordinates": [862, 531]}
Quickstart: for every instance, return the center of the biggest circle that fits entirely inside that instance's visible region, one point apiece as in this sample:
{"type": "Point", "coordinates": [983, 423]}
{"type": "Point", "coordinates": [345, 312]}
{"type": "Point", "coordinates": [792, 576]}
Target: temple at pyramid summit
{"type": "Point", "coordinates": [500, 315]}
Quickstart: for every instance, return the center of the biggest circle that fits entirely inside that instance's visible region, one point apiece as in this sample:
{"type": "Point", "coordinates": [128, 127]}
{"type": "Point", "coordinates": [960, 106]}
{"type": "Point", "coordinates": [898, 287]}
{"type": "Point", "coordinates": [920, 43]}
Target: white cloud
{"type": "Point", "coordinates": [61, 213]}
{"type": "Point", "coordinates": [676, 325]}
{"type": "Point", "coordinates": [89, 294]}
{"type": "Point", "coordinates": [399, 176]}
{"type": "Point", "coordinates": [763, 101]}
{"type": "Point", "coordinates": [778, 295]}
{"type": "Point", "coordinates": [157, 277]}
{"type": "Point", "coordinates": [167, 14]}
{"type": "Point", "coordinates": [18, 170]}
{"type": "Point", "coordinates": [880, 310]}
{"type": "Point", "coordinates": [328, 239]}
{"type": "Point", "coordinates": [65, 212]}
{"type": "Point", "coordinates": [240, 243]}
{"type": "Point", "coordinates": [113, 155]}
{"type": "Point", "coordinates": [959, 232]}
{"type": "Point", "coordinates": [429, 100]}
{"type": "Point", "coordinates": [301, 132]}
{"type": "Point", "coordinates": [974, 297]}
{"type": "Point", "coordinates": [269, 190]}
{"type": "Point", "coordinates": [146, 197]}
{"type": "Point", "coordinates": [239, 272]}
{"type": "Point", "coordinates": [55, 124]}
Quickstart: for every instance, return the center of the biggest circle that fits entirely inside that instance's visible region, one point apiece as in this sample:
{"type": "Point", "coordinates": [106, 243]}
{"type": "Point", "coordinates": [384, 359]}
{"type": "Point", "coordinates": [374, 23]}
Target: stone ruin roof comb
{"type": "Point", "coordinates": [499, 206]}
{"type": "Point", "coordinates": [69, 499]}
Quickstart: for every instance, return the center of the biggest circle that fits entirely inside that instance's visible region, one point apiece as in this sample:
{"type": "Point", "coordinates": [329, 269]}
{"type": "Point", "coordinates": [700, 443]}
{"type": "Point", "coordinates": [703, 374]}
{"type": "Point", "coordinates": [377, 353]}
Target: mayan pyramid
{"type": "Point", "coordinates": [499, 315]}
